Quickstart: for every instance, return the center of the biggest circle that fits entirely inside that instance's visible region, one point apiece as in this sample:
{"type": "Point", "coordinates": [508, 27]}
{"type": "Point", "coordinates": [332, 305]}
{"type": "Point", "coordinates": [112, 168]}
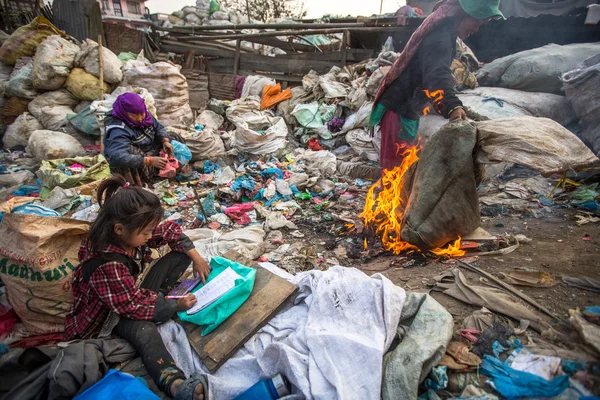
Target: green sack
{"type": "Point", "coordinates": [214, 7]}
{"type": "Point", "coordinates": [86, 122]}
{"type": "Point", "coordinates": [127, 56]}
{"type": "Point", "coordinates": [51, 176]}
{"type": "Point", "coordinates": [214, 315]}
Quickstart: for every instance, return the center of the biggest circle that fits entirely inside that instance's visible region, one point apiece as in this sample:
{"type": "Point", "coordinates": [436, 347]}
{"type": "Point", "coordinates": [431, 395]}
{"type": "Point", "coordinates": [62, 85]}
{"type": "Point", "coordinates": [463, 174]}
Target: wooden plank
{"type": "Point", "coordinates": [268, 296]}
{"type": "Point", "coordinates": [236, 60]}
{"type": "Point", "coordinates": [345, 41]}
{"type": "Point", "coordinates": [255, 62]}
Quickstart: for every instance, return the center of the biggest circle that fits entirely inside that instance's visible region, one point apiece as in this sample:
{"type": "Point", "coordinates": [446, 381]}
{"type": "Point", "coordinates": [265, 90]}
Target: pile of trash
{"type": "Point", "coordinates": [206, 12]}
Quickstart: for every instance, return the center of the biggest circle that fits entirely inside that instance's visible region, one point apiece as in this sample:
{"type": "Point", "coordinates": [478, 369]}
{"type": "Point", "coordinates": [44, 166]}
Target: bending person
{"type": "Point", "coordinates": [133, 140]}
{"type": "Point", "coordinates": [424, 67]}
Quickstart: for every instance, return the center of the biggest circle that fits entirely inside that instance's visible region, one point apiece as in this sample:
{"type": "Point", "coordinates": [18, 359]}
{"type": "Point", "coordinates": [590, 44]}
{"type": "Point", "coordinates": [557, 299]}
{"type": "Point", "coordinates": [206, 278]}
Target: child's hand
{"type": "Point", "coordinates": [186, 302]}
{"type": "Point", "coordinates": [202, 269]}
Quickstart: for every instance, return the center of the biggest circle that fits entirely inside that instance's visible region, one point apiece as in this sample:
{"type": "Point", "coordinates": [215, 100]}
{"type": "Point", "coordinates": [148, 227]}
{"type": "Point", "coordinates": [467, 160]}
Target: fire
{"type": "Point", "coordinates": [384, 208]}
{"type": "Point", "coordinates": [381, 211]}
{"type": "Point", "coordinates": [435, 97]}
{"type": "Point", "coordinates": [365, 245]}
{"type": "Point", "coordinates": [453, 250]}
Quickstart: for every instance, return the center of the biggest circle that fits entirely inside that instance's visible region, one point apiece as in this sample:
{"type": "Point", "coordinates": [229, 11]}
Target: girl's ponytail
{"type": "Point", "coordinates": [110, 187]}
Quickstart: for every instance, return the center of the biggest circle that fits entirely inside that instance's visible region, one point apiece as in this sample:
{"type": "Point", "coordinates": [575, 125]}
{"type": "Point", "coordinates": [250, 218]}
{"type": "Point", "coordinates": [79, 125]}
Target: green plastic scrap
{"type": "Point", "coordinates": [584, 194]}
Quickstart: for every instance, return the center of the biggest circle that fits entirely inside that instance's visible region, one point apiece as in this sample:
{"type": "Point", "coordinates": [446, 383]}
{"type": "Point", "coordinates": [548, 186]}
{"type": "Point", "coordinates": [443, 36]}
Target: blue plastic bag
{"type": "Point", "coordinates": [118, 386]}
{"type": "Point", "coordinates": [214, 315]}
{"type": "Point", "coordinates": [182, 153]}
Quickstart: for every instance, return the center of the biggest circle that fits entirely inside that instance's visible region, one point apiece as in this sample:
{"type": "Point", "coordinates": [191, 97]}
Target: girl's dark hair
{"type": "Point", "coordinates": [133, 207]}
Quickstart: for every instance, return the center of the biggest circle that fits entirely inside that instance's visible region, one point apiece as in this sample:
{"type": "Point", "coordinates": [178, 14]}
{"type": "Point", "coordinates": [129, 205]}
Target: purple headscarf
{"type": "Point", "coordinates": [133, 104]}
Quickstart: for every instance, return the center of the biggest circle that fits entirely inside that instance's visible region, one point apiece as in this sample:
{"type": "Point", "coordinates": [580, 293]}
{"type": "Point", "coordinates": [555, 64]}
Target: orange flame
{"type": "Point", "coordinates": [435, 97]}
{"type": "Point", "coordinates": [365, 245]}
{"type": "Point", "coordinates": [453, 250]}
{"type": "Point", "coordinates": [384, 210]}
{"type": "Point", "coordinates": [381, 210]}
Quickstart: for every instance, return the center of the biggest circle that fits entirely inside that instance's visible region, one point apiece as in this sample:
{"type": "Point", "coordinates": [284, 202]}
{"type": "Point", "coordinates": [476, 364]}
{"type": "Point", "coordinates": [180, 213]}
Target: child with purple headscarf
{"type": "Point", "coordinates": [133, 140]}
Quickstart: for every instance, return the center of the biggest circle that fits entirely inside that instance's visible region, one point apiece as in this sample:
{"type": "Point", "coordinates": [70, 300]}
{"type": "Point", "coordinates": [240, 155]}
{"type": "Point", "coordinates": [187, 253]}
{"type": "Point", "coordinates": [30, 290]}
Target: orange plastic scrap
{"type": "Point", "coordinates": [273, 95]}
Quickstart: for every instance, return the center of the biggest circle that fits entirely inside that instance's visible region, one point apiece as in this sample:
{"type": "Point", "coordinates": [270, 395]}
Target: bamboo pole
{"type": "Point", "coordinates": [196, 28]}
{"type": "Point", "coordinates": [244, 36]}
{"type": "Point", "coordinates": [236, 60]}
{"type": "Point", "coordinates": [101, 82]}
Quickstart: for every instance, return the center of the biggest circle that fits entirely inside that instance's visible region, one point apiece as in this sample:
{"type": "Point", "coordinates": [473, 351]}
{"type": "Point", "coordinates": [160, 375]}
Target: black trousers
{"type": "Point", "coordinates": [144, 336]}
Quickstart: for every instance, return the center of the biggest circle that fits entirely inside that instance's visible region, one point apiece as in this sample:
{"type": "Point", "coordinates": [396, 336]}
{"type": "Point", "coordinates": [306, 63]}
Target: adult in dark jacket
{"type": "Point", "coordinates": [422, 75]}
{"type": "Point", "coordinates": [133, 139]}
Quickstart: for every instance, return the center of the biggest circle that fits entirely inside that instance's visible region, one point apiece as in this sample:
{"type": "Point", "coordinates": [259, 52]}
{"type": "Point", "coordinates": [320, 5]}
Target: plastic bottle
{"type": "Point", "coordinates": [267, 389]}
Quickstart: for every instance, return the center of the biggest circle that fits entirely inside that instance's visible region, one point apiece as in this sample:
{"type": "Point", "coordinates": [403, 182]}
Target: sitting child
{"type": "Point", "coordinates": [107, 298]}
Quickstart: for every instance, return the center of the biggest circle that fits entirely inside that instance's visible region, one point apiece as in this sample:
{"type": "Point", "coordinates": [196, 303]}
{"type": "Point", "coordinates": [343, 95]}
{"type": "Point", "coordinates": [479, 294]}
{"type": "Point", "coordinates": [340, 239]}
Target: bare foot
{"type": "Point", "coordinates": [198, 391]}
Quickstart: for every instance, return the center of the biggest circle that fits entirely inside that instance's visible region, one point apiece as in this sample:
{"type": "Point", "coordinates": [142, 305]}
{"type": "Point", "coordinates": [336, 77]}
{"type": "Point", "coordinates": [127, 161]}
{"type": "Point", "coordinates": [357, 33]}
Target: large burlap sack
{"type": "Point", "coordinates": [18, 133]}
{"type": "Point", "coordinates": [23, 41]}
{"type": "Point", "coordinates": [536, 70]}
{"type": "Point", "coordinates": [362, 143]}
{"type": "Point", "coordinates": [204, 145]}
{"type": "Point", "coordinates": [50, 145]}
{"type": "Point", "coordinates": [21, 80]}
{"type": "Point", "coordinates": [84, 86]}
{"type": "Point", "coordinates": [257, 132]}
{"type": "Point", "coordinates": [254, 85]}
{"type": "Point", "coordinates": [581, 89]}
{"type": "Point", "coordinates": [104, 107]}
{"type": "Point", "coordinates": [299, 96]}
{"type": "Point", "coordinates": [210, 120]}
{"type": "Point", "coordinates": [538, 143]}
{"type": "Point", "coordinates": [38, 257]}
{"type": "Point", "coordinates": [166, 84]}
{"type": "Point", "coordinates": [515, 103]}
{"type": "Point", "coordinates": [443, 202]}
{"type": "Point", "coordinates": [53, 62]}
{"type": "Point", "coordinates": [88, 59]}
{"type": "Point", "coordinates": [52, 108]}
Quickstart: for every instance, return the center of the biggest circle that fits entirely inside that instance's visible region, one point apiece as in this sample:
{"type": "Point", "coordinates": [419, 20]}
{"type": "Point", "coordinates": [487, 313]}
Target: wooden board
{"type": "Point", "coordinates": [268, 296]}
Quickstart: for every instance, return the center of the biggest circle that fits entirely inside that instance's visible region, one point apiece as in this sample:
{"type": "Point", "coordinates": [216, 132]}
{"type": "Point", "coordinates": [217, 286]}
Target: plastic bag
{"type": "Point", "coordinates": [51, 176]}
{"type": "Point", "coordinates": [217, 312]}
{"type": "Point", "coordinates": [182, 152]}
{"type": "Point", "coordinates": [170, 170]}
{"type": "Point", "coordinates": [117, 385]}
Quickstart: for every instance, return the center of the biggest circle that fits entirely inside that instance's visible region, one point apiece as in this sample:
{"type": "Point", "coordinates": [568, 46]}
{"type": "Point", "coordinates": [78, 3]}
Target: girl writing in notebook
{"type": "Point", "coordinates": [107, 298]}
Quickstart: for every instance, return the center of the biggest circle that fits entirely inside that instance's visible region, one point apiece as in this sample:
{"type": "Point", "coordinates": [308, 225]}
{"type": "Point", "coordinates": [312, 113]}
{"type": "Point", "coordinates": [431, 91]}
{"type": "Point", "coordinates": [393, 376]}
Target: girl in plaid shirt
{"type": "Point", "coordinates": [108, 299]}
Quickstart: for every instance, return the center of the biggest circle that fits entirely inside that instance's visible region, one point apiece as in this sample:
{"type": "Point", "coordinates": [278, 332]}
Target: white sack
{"type": "Point", "coordinates": [536, 70]}
{"type": "Point", "coordinates": [88, 59]}
{"type": "Point", "coordinates": [537, 143]}
{"type": "Point", "coordinates": [317, 163]}
{"type": "Point", "coordinates": [362, 143]}
{"type": "Point", "coordinates": [166, 84]}
{"type": "Point", "coordinates": [49, 145]}
{"type": "Point", "coordinates": [17, 134]}
{"type": "Point", "coordinates": [60, 97]}
{"type": "Point", "coordinates": [210, 120]}
{"type": "Point", "coordinates": [53, 62]}
{"type": "Point", "coordinates": [21, 80]}
{"type": "Point", "coordinates": [254, 85]}
{"type": "Point", "coordinates": [249, 242]}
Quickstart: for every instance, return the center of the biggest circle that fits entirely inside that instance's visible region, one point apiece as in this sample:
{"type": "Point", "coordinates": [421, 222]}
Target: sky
{"type": "Point", "coordinates": [316, 8]}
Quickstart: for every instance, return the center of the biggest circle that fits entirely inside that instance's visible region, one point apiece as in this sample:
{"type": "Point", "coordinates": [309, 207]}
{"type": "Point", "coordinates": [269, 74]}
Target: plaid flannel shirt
{"type": "Point", "coordinates": [112, 287]}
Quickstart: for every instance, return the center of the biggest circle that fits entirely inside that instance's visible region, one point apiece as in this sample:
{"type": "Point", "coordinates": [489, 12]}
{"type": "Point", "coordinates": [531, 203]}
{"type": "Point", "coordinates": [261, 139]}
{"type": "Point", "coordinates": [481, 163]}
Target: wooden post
{"type": "Point", "coordinates": [236, 60]}
{"type": "Point", "coordinates": [345, 40]}
{"type": "Point", "coordinates": [101, 65]}
{"type": "Point", "coordinates": [380, 7]}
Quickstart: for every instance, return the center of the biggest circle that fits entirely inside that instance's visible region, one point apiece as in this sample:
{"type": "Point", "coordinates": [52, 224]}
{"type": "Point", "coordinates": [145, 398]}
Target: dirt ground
{"type": "Point", "coordinates": [557, 247]}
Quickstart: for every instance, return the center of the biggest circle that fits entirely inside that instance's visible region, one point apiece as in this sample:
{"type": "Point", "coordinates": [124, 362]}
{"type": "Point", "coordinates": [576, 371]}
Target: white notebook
{"type": "Point", "coordinates": [214, 290]}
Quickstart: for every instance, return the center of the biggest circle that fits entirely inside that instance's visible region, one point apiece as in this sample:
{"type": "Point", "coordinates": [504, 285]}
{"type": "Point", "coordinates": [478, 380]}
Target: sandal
{"type": "Point", "coordinates": [187, 388]}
